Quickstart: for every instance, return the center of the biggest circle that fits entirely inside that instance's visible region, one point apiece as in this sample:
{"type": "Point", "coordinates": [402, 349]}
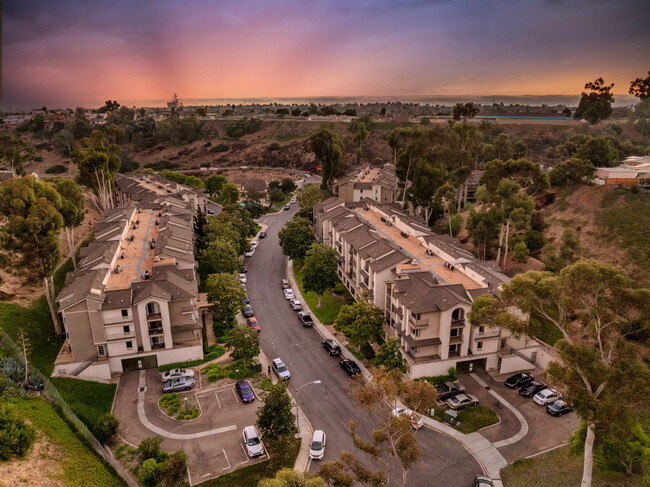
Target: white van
{"type": "Point", "coordinates": [317, 447]}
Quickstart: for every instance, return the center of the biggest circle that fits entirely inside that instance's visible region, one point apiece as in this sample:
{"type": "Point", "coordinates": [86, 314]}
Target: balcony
{"type": "Point", "coordinates": [154, 317]}
{"type": "Point", "coordinates": [458, 323]}
{"type": "Point", "coordinates": [157, 346]}
{"type": "Point", "coordinates": [120, 336]}
{"type": "Point", "coordinates": [418, 323]}
{"type": "Point", "coordinates": [456, 339]}
{"type": "Point", "coordinates": [419, 359]}
{"type": "Point", "coordinates": [493, 333]}
{"type": "Point", "coordinates": [117, 320]}
{"type": "Point", "coordinates": [156, 331]}
{"type": "Point", "coordinates": [454, 354]}
{"type": "Point", "coordinates": [188, 309]}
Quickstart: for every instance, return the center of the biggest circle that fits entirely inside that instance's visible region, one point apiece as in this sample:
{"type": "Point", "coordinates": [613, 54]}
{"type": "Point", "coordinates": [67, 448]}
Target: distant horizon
{"type": "Point", "coordinates": [621, 99]}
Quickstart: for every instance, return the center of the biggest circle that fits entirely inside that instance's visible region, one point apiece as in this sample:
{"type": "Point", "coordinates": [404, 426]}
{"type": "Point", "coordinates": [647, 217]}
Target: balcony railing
{"type": "Point", "coordinates": [157, 346]}
{"type": "Point", "coordinates": [456, 339]}
{"type": "Point", "coordinates": [119, 336]}
{"type": "Point", "coordinates": [118, 319]}
{"type": "Point", "coordinates": [155, 331]}
{"type": "Point", "coordinates": [487, 334]}
{"type": "Point", "coordinates": [418, 323]}
{"type": "Point", "coordinates": [154, 316]}
{"type": "Point", "coordinates": [457, 323]}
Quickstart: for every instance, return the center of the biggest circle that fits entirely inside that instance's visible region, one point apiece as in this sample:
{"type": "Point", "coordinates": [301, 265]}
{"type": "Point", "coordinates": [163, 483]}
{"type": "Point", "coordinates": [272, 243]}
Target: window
{"type": "Point", "coordinates": [100, 350]}
{"type": "Point", "coordinates": [415, 332]}
{"type": "Point", "coordinates": [458, 314]}
{"type": "Point", "coordinates": [126, 329]}
{"type": "Point", "coordinates": [479, 345]}
{"type": "Point", "coordinates": [129, 345]}
{"type": "Point", "coordinates": [481, 329]}
{"type": "Point", "coordinates": [415, 349]}
{"type": "Point", "coordinates": [125, 313]}
{"type": "Point", "coordinates": [454, 332]}
{"type": "Point", "coordinates": [453, 348]}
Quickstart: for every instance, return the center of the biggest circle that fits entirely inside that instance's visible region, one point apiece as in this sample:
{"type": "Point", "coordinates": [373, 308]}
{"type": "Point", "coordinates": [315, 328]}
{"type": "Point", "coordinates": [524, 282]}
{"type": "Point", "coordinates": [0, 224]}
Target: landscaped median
{"type": "Point", "coordinates": [470, 419]}
{"type": "Point", "coordinates": [172, 406]}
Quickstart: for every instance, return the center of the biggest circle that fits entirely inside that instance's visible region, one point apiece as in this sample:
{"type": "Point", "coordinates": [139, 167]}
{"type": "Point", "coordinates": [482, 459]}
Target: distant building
{"type": "Point", "coordinates": [466, 192]}
{"type": "Point", "coordinates": [257, 185]}
{"type": "Point", "coordinates": [633, 171]}
{"type": "Point", "coordinates": [376, 183]}
{"type": "Point", "coordinates": [424, 282]}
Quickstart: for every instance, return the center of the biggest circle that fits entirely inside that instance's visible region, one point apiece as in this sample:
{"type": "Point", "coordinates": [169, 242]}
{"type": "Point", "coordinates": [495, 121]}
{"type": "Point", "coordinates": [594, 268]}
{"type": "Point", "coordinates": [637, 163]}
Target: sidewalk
{"type": "Point", "coordinates": [485, 453]}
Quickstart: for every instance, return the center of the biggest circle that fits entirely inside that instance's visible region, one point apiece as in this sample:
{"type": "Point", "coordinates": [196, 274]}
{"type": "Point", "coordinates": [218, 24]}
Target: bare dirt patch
{"type": "Point", "coordinates": [40, 467]}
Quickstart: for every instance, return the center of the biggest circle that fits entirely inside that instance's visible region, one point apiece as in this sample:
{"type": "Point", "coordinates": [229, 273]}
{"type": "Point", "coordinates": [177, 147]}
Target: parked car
{"type": "Point", "coordinates": [285, 284]}
{"type": "Point", "coordinates": [293, 200]}
{"type": "Point", "coordinates": [242, 278]}
{"type": "Point", "coordinates": [286, 207]}
{"type": "Point", "coordinates": [332, 347]}
{"type": "Point", "coordinates": [483, 481]}
{"type": "Point", "coordinates": [461, 401]}
{"type": "Point", "coordinates": [288, 293]}
{"type": "Point", "coordinates": [249, 253]}
{"type": "Point", "coordinates": [176, 373]}
{"type": "Point", "coordinates": [546, 397]}
{"type": "Point", "coordinates": [253, 442]}
{"type": "Point", "coordinates": [519, 380]}
{"type": "Point", "coordinates": [254, 244]}
{"type": "Point", "coordinates": [416, 420]}
{"type": "Point", "coordinates": [210, 211]}
{"type": "Point", "coordinates": [532, 388]}
{"type": "Point", "coordinates": [244, 269]}
{"type": "Point", "coordinates": [317, 447]}
{"type": "Point", "coordinates": [449, 389]}
{"type": "Point", "coordinates": [248, 311]}
{"type": "Point", "coordinates": [245, 391]}
{"type": "Point", "coordinates": [180, 384]}
{"type": "Point", "coordinates": [350, 366]}
{"type": "Point", "coordinates": [558, 408]}
{"type": "Point", "coordinates": [280, 369]}
{"type": "Point", "coordinates": [305, 318]}
{"type": "Point", "coordinates": [262, 235]}
{"type": "Point", "coordinates": [245, 299]}
{"type": "Point", "coordinates": [252, 322]}
{"type": "Point", "coordinates": [295, 305]}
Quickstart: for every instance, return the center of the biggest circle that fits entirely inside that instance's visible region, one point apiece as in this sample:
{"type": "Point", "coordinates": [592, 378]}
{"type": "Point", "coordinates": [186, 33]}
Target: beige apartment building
{"type": "Point", "coordinates": [133, 301]}
{"type": "Point", "coordinates": [376, 183]}
{"type": "Point", "coordinates": [424, 282]}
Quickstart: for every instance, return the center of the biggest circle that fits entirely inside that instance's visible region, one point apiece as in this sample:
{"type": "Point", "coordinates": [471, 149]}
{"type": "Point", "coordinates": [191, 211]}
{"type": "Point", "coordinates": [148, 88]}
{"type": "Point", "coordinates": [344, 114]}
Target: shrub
{"type": "Point", "coordinates": [220, 148]}
{"type": "Point", "coordinates": [38, 158]}
{"type": "Point", "coordinates": [57, 169]}
{"type": "Point", "coordinates": [239, 128]}
{"type": "Point", "coordinates": [150, 448]}
{"type": "Point", "coordinates": [475, 418]}
{"type": "Point", "coordinates": [106, 429]}
{"type": "Point", "coordinates": [162, 165]}
{"type": "Point", "coordinates": [16, 437]}
{"type": "Point", "coordinates": [121, 450]}
{"type": "Point", "coordinates": [339, 289]}
{"type": "Point", "coordinates": [205, 164]}
{"type": "Point", "coordinates": [149, 472]}
{"type": "Point", "coordinates": [175, 467]}
{"type": "Point", "coordinates": [235, 370]}
{"type": "Point", "coordinates": [188, 414]}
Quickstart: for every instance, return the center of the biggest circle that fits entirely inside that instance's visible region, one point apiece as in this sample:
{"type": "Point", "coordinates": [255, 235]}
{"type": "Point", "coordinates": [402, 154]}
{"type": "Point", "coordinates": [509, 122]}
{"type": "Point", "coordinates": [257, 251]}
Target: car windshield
{"type": "Point", "coordinates": [456, 399]}
{"type": "Point", "coordinates": [253, 441]}
{"type": "Point", "coordinates": [245, 389]}
{"type": "Point", "coordinates": [282, 368]}
{"type": "Point", "coordinates": [316, 445]}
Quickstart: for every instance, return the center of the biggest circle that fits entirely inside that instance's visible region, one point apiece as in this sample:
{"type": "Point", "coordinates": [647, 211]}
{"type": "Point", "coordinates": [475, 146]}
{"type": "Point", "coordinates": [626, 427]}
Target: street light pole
{"type": "Point", "coordinates": [297, 408]}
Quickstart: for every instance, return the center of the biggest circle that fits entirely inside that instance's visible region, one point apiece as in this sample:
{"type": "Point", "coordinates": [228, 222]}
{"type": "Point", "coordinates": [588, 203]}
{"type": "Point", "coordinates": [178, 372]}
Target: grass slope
{"type": "Point", "coordinates": [331, 303]}
{"type": "Point", "coordinates": [559, 467]}
{"type": "Point", "coordinates": [81, 467]}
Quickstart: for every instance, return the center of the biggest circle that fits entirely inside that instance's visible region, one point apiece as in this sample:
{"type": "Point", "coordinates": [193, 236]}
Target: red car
{"type": "Point", "coordinates": [252, 322]}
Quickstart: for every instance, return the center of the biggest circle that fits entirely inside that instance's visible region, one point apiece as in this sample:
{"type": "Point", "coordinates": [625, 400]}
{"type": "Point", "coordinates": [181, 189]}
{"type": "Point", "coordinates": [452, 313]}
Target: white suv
{"type": "Point", "coordinates": [317, 447]}
{"type": "Point", "coordinates": [252, 442]}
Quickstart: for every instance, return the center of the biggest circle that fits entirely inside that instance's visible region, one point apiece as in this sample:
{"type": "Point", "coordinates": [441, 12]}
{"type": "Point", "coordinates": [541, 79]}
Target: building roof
{"type": "Point", "coordinates": [420, 292]}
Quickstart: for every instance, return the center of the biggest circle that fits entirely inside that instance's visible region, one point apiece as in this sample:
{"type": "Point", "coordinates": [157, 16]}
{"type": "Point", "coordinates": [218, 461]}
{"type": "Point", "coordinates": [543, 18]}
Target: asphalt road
{"type": "Point", "coordinates": [328, 405]}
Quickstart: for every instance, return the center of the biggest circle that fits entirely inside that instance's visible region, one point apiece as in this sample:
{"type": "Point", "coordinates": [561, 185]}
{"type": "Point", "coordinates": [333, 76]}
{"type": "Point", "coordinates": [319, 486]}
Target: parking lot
{"type": "Point", "coordinates": [212, 442]}
{"type": "Point", "coordinates": [544, 430]}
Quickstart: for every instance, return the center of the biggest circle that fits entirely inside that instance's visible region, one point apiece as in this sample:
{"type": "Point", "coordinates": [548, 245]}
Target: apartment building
{"type": "Point", "coordinates": [133, 301]}
{"type": "Point", "coordinates": [376, 183]}
{"type": "Point", "coordinates": [149, 188]}
{"type": "Point", "coordinates": [425, 283]}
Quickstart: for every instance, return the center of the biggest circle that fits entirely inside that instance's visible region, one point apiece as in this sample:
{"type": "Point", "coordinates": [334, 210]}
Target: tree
{"type": "Point", "coordinates": [276, 195]}
{"type": "Point", "coordinates": [308, 196]}
{"type": "Point", "coordinates": [296, 237]}
{"type": "Point", "coordinates": [571, 172]}
{"type": "Point", "coordinates": [15, 151]}
{"type": "Point", "coordinates": [229, 194]}
{"type": "Point", "coordinates": [72, 210]}
{"type": "Point", "coordinates": [389, 355]}
{"type": "Point", "coordinates": [520, 149]}
{"type": "Point", "coordinates": [360, 322]}
{"type": "Point", "coordinates": [359, 138]}
{"type": "Point", "coordinates": [218, 256]}
{"type": "Point", "coordinates": [590, 304]}
{"type": "Point", "coordinates": [426, 181]}
{"type": "Point", "coordinates": [287, 185]}
{"type": "Point", "coordinates": [456, 223]}
{"type": "Point", "coordinates": [503, 147]}
{"type": "Point", "coordinates": [640, 87]}
{"type": "Point", "coordinates": [445, 196]}
{"type": "Point", "coordinates": [597, 104]}
{"type": "Point", "coordinates": [193, 182]}
{"type": "Point", "coordinates": [274, 184]}
{"type": "Point", "coordinates": [483, 228]}
{"type": "Point", "coordinates": [214, 184]}
{"type": "Point", "coordinates": [106, 428]}
{"type": "Point", "coordinates": [464, 111]}
{"type": "Point", "coordinates": [225, 294]}
{"type": "Point", "coordinates": [328, 149]}
{"type": "Point", "coordinates": [109, 106]}
{"type": "Point", "coordinates": [319, 271]}
{"type": "Point", "coordinates": [288, 477]}
{"type": "Point", "coordinates": [275, 418]}
{"type": "Point", "coordinates": [200, 222]}
{"type": "Point", "coordinates": [599, 151]}
{"type": "Point", "coordinates": [520, 252]}
{"type": "Point", "coordinates": [245, 343]}
{"type": "Point", "coordinates": [296, 112]}
{"type": "Point", "coordinates": [98, 163]}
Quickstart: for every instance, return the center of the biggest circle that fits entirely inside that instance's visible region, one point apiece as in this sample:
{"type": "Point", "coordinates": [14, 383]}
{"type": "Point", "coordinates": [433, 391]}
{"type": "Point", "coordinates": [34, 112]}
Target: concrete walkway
{"type": "Point", "coordinates": [485, 453]}
{"type": "Point", "coordinates": [209, 328]}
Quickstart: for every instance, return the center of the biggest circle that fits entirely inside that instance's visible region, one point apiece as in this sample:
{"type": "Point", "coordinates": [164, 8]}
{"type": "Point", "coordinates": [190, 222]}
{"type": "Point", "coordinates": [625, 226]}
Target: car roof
{"type": "Point", "coordinates": [250, 431]}
{"type": "Point", "coordinates": [277, 361]}
{"type": "Point", "coordinates": [318, 435]}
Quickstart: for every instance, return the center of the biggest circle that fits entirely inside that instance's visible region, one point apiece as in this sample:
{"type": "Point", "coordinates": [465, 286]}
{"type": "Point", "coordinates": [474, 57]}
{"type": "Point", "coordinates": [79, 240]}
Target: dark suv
{"type": "Point", "coordinates": [332, 347]}
{"type": "Point", "coordinates": [532, 388]}
{"type": "Point", "coordinates": [519, 380]}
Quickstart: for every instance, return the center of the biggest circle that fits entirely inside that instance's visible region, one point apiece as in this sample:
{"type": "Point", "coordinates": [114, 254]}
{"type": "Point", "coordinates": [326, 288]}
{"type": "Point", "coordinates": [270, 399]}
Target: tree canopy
{"type": "Point", "coordinates": [296, 237]}
{"type": "Point", "coordinates": [15, 151]}
{"type": "Point", "coordinates": [225, 294]}
{"type": "Point", "coordinates": [275, 418]}
{"type": "Point", "coordinates": [360, 322]}
{"type": "Point", "coordinates": [98, 162]}
{"type": "Point", "coordinates": [244, 343]}
{"type": "Point", "coordinates": [640, 87]}
{"type": "Point", "coordinates": [328, 149]}
{"type": "Point", "coordinates": [308, 196]}
{"type": "Point", "coordinates": [319, 271]}
{"type": "Point", "coordinates": [595, 105]}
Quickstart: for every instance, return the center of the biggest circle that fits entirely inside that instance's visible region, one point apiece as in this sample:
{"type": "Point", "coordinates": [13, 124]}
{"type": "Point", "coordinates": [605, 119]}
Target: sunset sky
{"type": "Point", "coordinates": [68, 53]}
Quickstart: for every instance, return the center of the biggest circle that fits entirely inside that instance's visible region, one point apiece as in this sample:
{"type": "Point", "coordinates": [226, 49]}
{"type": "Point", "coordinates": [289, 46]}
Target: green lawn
{"type": "Point", "coordinates": [280, 458]}
{"type": "Point", "coordinates": [331, 303]}
{"type": "Point", "coordinates": [559, 467]}
{"type": "Point", "coordinates": [89, 400]}
{"type": "Point", "coordinates": [275, 207]}
{"type": "Point", "coordinates": [80, 465]}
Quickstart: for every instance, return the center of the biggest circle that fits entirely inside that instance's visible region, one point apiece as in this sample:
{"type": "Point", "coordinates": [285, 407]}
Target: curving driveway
{"type": "Point", "coordinates": [328, 405]}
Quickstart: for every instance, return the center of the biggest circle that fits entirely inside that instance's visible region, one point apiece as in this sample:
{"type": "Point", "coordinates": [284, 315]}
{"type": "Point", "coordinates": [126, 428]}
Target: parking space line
{"type": "Point", "coordinates": [224, 454]}
{"type": "Point", "coordinates": [218, 402]}
{"type": "Point", "coordinates": [235, 394]}
{"type": "Point", "coordinates": [245, 455]}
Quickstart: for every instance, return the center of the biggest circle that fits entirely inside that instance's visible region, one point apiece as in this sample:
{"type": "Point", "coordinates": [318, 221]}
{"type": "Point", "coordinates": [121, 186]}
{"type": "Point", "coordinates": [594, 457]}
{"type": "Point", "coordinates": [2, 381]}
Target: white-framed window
{"type": "Point", "coordinates": [479, 345]}
{"type": "Point", "coordinates": [415, 332]}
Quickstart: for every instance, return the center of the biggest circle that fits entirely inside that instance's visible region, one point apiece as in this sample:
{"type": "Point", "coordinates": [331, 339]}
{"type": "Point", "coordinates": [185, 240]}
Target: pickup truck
{"type": "Point", "coordinates": [305, 319]}
{"type": "Point", "coordinates": [449, 389]}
